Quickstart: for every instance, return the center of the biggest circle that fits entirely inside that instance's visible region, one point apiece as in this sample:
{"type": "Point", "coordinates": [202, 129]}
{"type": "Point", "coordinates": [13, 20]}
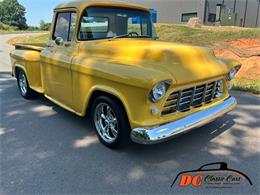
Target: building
{"type": "Point", "coordinates": [244, 13]}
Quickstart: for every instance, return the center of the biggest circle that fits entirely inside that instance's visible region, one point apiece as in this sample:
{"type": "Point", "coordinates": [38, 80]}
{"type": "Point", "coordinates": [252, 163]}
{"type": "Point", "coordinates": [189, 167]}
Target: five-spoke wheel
{"type": "Point", "coordinates": [106, 122]}
{"type": "Point", "coordinates": [110, 121]}
{"type": "Point", "coordinates": [23, 85]}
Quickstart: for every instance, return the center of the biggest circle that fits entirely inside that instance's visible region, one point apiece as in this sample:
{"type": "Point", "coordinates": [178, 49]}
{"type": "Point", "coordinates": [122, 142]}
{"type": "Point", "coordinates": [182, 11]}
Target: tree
{"type": "Point", "coordinates": [45, 25]}
{"type": "Point", "coordinates": [33, 28]}
{"type": "Point", "coordinates": [13, 14]}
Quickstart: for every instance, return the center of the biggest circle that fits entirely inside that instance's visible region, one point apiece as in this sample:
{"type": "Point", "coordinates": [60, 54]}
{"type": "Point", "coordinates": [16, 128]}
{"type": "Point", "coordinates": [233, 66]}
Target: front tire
{"type": "Point", "coordinates": [23, 85]}
{"type": "Point", "coordinates": [110, 121]}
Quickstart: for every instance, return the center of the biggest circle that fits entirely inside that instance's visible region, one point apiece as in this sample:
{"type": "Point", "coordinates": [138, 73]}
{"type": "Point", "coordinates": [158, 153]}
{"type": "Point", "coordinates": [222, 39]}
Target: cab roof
{"type": "Point", "coordinates": [82, 4]}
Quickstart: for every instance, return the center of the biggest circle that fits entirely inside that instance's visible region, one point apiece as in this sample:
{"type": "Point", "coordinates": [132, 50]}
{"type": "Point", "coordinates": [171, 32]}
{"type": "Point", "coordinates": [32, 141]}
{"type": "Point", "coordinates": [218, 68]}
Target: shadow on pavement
{"type": "Point", "coordinates": [49, 150]}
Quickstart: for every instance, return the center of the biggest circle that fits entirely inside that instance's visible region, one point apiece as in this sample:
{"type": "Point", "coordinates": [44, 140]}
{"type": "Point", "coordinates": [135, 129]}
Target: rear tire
{"type": "Point", "coordinates": [110, 121]}
{"type": "Point", "coordinates": [24, 87]}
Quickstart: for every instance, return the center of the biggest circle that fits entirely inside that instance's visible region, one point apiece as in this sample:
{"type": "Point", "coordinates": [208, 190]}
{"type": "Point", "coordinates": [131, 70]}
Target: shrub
{"type": "Point", "coordinates": [7, 27]}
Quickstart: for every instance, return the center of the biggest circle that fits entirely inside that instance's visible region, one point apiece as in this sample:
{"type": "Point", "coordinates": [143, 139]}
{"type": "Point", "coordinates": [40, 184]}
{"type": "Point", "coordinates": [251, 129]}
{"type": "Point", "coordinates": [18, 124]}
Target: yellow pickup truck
{"type": "Point", "coordinates": [103, 59]}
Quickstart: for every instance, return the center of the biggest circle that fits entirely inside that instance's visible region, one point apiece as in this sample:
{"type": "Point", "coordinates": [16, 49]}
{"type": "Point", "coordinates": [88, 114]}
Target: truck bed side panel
{"type": "Point", "coordinates": [29, 61]}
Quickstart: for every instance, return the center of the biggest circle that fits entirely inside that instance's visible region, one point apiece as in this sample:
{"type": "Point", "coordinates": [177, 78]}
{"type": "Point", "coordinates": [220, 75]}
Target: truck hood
{"type": "Point", "coordinates": [185, 64]}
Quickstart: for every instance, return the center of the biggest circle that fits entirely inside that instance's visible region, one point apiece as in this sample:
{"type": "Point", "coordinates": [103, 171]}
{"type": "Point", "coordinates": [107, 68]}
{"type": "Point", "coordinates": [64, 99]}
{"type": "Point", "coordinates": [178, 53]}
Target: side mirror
{"type": "Point", "coordinates": [59, 41]}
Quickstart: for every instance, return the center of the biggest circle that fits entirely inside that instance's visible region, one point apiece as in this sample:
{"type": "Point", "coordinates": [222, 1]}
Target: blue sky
{"type": "Point", "coordinates": [37, 10]}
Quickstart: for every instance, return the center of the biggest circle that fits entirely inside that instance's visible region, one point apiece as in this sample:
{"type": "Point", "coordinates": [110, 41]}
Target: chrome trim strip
{"type": "Point", "coordinates": [192, 97]}
{"type": "Point", "coordinates": [179, 100]}
{"type": "Point", "coordinates": [173, 96]}
{"type": "Point", "coordinates": [196, 99]}
{"type": "Point", "coordinates": [170, 106]}
{"type": "Point", "coordinates": [153, 135]}
{"type": "Point", "coordinates": [199, 88]}
{"type": "Point", "coordinates": [183, 103]}
{"type": "Point", "coordinates": [204, 93]}
{"type": "Point", "coordinates": [214, 90]}
{"type": "Point", "coordinates": [171, 101]}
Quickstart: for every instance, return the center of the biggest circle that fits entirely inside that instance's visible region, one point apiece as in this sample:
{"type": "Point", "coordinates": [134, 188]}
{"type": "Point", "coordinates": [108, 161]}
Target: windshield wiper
{"type": "Point", "coordinates": [143, 36]}
{"type": "Point", "coordinates": [128, 36]}
{"type": "Point", "coordinates": [119, 36]}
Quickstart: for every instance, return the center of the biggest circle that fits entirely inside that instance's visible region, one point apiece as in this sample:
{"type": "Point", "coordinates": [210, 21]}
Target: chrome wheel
{"type": "Point", "coordinates": [23, 83]}
{"type": "Point", "coordinates": [106, 122]}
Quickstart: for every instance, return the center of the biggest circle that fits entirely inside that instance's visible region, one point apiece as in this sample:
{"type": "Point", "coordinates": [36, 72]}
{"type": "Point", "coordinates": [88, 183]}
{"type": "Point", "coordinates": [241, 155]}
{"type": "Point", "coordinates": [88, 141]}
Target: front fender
{"type": "Point", "coordinates": [134, 99]}
{"type": "Point", "coordinates": [108, 90]}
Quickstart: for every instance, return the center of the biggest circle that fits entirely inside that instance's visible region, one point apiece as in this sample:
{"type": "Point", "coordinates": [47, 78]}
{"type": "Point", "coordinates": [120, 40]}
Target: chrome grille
{"type": "Point", "coordinates": [194, 97]}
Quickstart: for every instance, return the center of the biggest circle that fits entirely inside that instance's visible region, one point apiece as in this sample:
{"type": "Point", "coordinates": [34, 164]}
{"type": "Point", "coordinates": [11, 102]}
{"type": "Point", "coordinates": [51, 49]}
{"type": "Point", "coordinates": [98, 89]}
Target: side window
{"type": "Point", "coordinates": [73, 18]}
{"type": "Point", "coordinates": [134, 25]}
{"type": "Point", "coordinates": [65, 25]}
{"type": "Point", "coordinates": [144, 24]}
{"type": "Point", "coordinates": [138, 25]}
{"type": "Point", "coordinates": [186, 16]}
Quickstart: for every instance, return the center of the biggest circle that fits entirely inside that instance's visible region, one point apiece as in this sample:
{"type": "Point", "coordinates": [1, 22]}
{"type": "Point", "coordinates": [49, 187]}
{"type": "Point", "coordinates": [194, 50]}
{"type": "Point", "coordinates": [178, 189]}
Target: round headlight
{"type": "Point", "coordinates": [158, 92]}
{"type": "Point", "coordinates": [232, 73]}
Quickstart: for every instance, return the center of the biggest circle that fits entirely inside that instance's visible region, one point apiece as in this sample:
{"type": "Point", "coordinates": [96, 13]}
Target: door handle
{"type": "Point", "coordinates": [50, 46]}
{"type": "Point", "coordinates": [67, 44]}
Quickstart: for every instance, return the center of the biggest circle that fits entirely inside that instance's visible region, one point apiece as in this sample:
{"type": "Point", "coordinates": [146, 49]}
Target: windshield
{"type": "Point", "coordinates": [106, 23]}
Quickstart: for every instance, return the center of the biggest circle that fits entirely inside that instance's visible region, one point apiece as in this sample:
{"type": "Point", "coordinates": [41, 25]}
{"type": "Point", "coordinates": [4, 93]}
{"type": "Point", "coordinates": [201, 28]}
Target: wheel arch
{"type": "Point", "coordinates": [109, 92]}
{"type": "Point", "coordinates": [17, 67]}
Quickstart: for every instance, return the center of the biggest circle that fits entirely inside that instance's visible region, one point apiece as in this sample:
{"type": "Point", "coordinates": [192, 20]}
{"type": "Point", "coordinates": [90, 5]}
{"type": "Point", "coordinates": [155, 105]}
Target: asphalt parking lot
{"type": "Point", "coordinates": [47, 150]}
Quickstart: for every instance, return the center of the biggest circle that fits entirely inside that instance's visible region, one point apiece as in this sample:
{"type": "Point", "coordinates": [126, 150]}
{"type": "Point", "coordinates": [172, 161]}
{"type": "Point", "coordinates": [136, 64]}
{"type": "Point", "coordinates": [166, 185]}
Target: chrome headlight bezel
{"type": "Point", "coordinates": [159, 91]}
{"type": "Point", "coordinates": [232, 73]}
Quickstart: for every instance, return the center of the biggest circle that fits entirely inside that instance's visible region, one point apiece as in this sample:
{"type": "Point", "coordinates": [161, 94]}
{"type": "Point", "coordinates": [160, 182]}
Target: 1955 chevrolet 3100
{"type": "Point", "coordinates": [103, 60]}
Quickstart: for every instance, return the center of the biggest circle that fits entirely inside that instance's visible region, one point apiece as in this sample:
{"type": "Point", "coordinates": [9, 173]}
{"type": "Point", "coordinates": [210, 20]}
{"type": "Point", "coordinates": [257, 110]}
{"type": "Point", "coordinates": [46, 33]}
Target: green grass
{"type": "Point", "coordinates": [205, 36]}
{"type": "Point", "coordinates": [30, 39]}
{"type": "Point", "coordinates": [6, 29]}
{"type": "Point", "coordinates": [244, 84]}
{"type": "Point", "coordinates": [18, 32]}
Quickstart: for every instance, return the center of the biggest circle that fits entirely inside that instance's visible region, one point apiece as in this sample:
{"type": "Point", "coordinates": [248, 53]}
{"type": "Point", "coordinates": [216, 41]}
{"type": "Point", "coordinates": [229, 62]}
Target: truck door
{"type": "Point", "coordinates": [56, 59]}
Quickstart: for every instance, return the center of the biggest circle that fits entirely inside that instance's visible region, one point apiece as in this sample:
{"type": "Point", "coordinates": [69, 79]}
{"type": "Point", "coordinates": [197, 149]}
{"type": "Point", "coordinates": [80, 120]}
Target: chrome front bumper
{"type": "Point", "coordinates": [167, 131]}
